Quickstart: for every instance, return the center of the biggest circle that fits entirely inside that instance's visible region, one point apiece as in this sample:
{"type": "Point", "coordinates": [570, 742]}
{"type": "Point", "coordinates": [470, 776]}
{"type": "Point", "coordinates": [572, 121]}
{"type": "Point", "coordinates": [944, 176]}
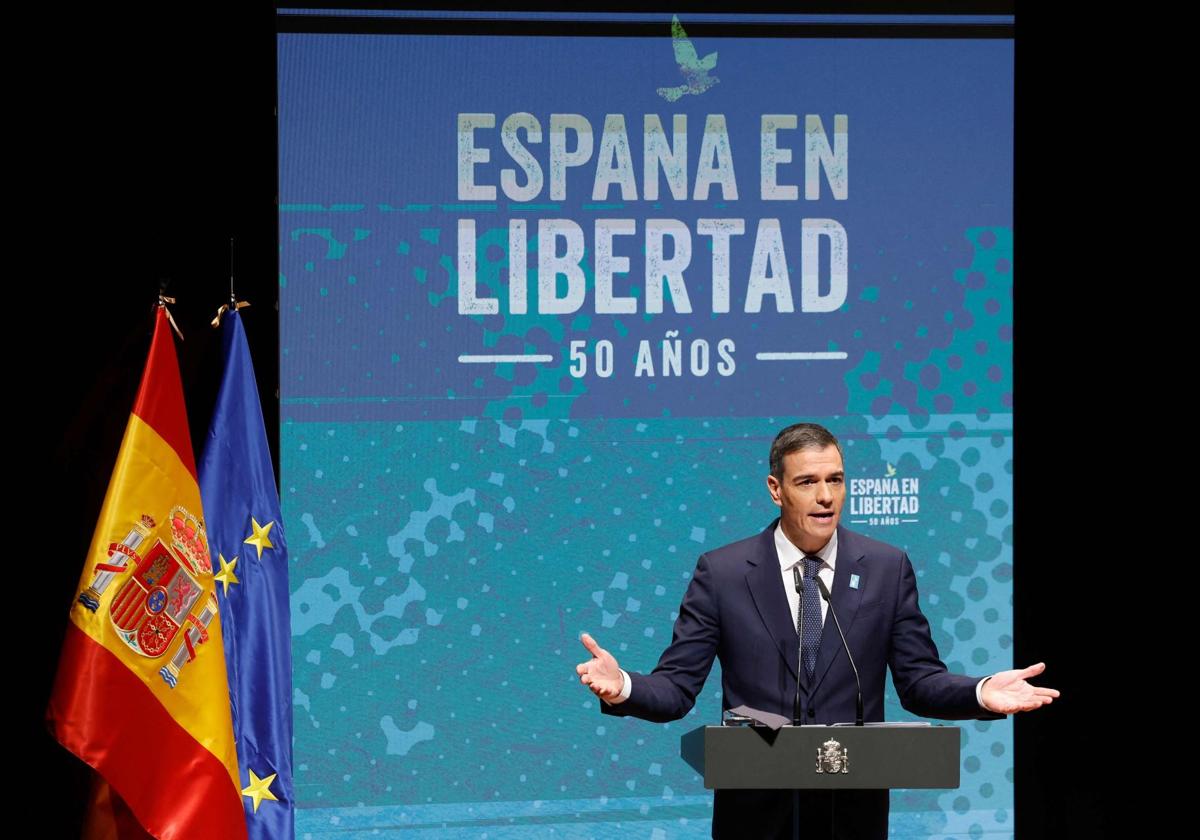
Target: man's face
{"type": "Point", "coordinates": [810, 496]}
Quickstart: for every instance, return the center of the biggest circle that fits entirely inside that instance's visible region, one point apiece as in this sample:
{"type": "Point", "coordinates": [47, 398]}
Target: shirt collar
{"type": "Point", "coordinates": [789, 555]}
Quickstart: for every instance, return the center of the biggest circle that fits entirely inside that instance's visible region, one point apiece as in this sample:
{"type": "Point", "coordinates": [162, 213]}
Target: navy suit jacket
{"type": "Point", "coordinates": [735, 609]}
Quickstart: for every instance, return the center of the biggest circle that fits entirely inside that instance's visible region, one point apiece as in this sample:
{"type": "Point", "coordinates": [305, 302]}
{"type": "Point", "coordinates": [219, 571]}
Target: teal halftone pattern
{"type": "Point", "coordinates": [443, 571]}
{"type": "Point", "coordinates": [973, 372]}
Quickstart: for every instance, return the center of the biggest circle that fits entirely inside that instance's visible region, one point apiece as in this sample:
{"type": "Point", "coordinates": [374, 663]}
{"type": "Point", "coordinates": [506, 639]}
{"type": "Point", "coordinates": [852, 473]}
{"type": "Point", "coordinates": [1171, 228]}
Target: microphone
{"type": "Point", "coordinates": [796, 717]}
{"type": "Point", "coordinates": [859, 704]}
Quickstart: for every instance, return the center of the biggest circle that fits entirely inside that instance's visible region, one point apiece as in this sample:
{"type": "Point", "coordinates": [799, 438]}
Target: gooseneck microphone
{"type": "Point", "coordinates": [797, 719]}
{"type": "Point", "coordinates": [859, 701]}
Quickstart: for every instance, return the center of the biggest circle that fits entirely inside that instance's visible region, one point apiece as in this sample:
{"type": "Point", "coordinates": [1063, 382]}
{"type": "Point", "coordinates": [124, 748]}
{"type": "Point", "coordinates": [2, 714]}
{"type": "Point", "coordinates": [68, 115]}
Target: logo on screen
{"type": "Point", "coordinates": [890, 499]}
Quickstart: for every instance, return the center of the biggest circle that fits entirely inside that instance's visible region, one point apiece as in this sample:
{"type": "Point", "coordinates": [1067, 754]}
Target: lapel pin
{"type": "Point", "coordinates": [854, 581]}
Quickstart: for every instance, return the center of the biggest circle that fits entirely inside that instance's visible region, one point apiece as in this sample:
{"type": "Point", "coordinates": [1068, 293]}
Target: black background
{"type": "Point", "coordinates": [152, 143]}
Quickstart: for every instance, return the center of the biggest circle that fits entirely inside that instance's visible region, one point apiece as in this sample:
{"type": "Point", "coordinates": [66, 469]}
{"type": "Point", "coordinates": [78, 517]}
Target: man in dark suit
{"type": "Point", "coordinates": [742, 607]}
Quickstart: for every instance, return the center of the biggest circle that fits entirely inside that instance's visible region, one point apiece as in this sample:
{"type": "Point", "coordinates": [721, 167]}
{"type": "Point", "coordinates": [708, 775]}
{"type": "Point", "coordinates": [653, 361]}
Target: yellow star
{"type": "Point", "coordinates": [226, 575]}
{"type": "Point", "coordinates": [259, 789]}
{"type": "Point", "coordinates": [259, 538]}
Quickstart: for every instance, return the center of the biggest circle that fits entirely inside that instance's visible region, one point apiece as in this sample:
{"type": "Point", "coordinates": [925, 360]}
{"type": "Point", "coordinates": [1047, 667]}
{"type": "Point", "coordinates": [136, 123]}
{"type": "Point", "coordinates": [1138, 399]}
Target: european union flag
{"type": "Point", "coordinates": [241, 505]}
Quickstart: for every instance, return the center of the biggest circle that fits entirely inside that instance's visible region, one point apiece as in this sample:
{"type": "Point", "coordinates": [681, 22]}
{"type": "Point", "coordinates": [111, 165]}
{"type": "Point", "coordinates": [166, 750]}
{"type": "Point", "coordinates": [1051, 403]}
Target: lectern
{"type": "Point", "coordinates": [824, 757]}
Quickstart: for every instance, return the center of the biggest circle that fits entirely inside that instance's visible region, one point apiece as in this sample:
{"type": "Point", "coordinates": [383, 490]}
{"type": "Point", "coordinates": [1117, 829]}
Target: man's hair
{"type": "Point", "coordinates": [796, 437]}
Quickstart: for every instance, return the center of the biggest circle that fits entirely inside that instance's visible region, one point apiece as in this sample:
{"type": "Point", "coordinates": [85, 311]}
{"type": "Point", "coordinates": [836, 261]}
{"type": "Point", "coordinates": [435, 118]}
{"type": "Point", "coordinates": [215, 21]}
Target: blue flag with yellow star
{"type": "Point", "coordinates": [241, 503]}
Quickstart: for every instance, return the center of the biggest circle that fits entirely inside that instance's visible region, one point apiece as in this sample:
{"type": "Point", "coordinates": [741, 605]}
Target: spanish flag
{"type": "Point", "coordinates": [141, 692]}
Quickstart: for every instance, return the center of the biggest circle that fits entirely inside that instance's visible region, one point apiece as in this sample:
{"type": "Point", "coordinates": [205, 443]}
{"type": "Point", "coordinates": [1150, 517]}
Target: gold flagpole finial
{"type": "Point", "coordinates": [163, 300]}
{"type": "Point", "coordinates": [234, 304]}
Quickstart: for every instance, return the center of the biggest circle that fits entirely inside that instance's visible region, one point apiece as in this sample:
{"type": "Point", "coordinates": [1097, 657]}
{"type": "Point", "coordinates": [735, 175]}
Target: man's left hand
{"type": "Point", "coordinates": [1008, 692]}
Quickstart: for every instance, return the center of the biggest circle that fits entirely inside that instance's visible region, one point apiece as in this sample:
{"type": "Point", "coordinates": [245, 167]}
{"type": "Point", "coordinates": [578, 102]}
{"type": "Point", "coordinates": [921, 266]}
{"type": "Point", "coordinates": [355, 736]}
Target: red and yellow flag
{"type": "Point", "coordinates": [141, 693]}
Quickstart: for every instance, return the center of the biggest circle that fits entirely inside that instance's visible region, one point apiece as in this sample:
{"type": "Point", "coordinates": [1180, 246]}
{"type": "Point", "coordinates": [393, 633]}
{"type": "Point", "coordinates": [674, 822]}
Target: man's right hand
{"type": "Point", "coordinates": [601, 673]}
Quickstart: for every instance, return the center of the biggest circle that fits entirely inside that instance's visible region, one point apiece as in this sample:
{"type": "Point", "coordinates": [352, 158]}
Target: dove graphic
{"type": "Point", "coordinates": [694, 69]}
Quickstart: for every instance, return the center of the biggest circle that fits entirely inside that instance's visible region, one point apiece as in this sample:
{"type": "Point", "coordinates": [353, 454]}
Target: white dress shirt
{"type": "Point", "coordinates": [790, 557]}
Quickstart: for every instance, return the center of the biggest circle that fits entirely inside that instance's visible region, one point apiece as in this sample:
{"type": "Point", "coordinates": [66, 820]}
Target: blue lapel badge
{"type": "Point", "coordinates": [854, 581]}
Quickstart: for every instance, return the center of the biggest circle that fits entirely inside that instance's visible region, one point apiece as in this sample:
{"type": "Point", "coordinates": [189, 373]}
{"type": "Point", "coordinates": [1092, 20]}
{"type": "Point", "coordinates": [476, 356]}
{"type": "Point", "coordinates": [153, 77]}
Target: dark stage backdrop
{"type": "Point", "coordinates": [185, 157]}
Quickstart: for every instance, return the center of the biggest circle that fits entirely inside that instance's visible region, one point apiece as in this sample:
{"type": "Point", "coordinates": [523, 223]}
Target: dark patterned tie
{"type": "Point", "coordinates": [810, 634]}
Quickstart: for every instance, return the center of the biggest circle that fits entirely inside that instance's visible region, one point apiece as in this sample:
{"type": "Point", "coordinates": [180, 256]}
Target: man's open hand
{"type": "Point", "coordinates": [601, 673]}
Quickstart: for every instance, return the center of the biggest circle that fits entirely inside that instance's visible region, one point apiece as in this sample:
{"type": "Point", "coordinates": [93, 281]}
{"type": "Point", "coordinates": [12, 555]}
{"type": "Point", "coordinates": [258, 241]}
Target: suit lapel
{"type": "Point", "coordinates": [845, 601]}
{"type": "Point", "coordinates": [766, 590]}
